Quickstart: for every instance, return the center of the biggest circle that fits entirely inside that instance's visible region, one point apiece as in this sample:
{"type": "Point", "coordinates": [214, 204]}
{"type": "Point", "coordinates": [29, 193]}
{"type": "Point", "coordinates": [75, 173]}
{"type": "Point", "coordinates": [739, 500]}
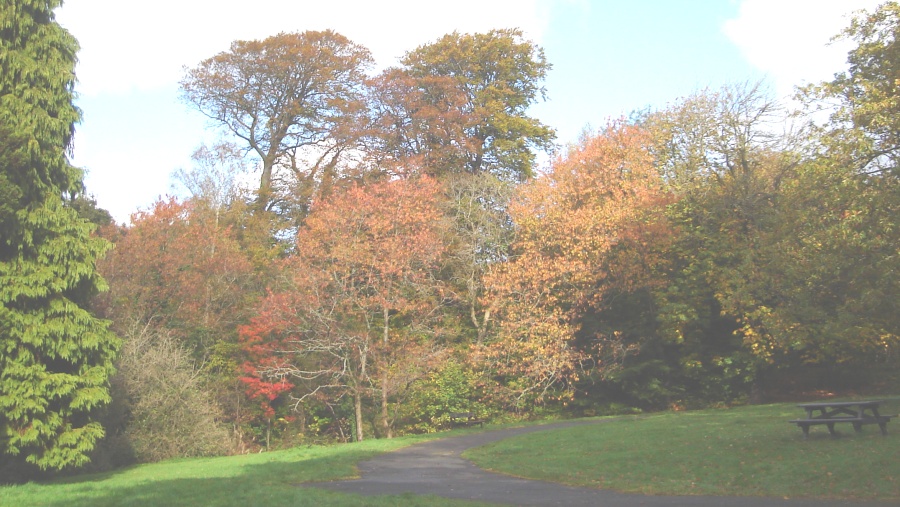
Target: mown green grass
{"type": "Point", "coordinates": [746, 451]}
{"type": "Point", "coordinates": [265, 479]}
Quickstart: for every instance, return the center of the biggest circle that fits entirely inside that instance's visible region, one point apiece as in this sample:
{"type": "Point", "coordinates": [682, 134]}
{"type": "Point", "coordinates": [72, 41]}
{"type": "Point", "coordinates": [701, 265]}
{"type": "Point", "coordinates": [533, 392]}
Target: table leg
{"type": "Point", "coordinates": [882, 424]}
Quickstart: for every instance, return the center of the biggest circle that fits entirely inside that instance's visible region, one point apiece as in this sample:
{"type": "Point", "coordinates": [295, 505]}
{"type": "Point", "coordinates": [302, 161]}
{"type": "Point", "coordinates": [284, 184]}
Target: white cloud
{"type": "Point", "coordinates": [145, 45]}
{"type": "Point", "coordinates": [789, 39]}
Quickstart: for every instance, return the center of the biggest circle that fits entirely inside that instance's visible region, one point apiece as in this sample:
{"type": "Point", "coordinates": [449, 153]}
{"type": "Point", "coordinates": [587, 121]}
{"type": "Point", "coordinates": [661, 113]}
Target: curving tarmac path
{"type": "Point", "coordinates": [436, 468]}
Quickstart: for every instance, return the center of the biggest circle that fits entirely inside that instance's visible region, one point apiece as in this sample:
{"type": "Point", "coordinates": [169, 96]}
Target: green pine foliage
{"type": "Point", "coordinates": [55, 357]}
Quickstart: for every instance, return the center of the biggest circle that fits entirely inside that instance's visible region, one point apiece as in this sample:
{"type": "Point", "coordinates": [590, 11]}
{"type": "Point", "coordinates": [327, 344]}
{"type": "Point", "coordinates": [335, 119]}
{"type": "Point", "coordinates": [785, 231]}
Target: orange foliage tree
{"type": "Point", "coordinates": [346, 318]}
{"type": "Point", "coordinates": [419, 123]}
{"type": "Point", "coordinates": [177, 267]}
{"type": "Point", "coordinates": [572, 228]}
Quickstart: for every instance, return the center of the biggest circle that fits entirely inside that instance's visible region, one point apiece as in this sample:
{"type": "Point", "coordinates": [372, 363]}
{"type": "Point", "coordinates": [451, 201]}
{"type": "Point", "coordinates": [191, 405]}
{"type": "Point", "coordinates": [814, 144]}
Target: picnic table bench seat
{"type": "Point", "coordinates": [465, 419]}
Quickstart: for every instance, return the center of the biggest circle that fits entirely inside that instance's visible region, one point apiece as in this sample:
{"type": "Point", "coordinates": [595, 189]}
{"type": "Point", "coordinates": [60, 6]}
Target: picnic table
{"type": "Point", "coordinates": [829, 413]}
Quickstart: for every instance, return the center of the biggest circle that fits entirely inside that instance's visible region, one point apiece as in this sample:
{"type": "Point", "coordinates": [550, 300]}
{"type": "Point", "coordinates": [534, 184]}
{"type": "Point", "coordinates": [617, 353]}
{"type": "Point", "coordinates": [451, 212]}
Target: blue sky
{"type": "Point", "coordinates": [609, 57]}
{"type": "Point", "coordinates": [613, 57]}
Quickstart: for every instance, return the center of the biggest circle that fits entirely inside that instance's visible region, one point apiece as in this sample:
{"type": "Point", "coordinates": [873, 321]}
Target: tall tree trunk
{"type": "Point", "coordinates": [357, 405]}
{"type": "Point", "coordinates": [758, 387]}
{"type": "Point", "coordinates": [482, 325]}
{"type": "Point", "coordinates": [357, 390]}
{"type": "Point", "coordinates": [264, 195]}
{"type": "Point", "coordinates": [385, 419]}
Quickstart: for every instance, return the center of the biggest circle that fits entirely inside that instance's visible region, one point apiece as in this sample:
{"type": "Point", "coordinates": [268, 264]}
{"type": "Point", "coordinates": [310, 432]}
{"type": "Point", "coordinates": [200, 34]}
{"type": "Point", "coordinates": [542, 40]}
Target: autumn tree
{"type": "Point", "coordinates": [418, 124]}
{"type": "Point", "coordinates": [821, 288]}
{"type": "Point", "coordinates": [499, 74]}
{"type": "Point", "coordinates": [605, 193]}
{"type": "Point", "coordinates": [457, 109]}
{"type": "Point", "coordinates": [293, 99]}
{"type": "Point", "coordinates": [180, 286]}
{"type": "Point", "coordinates": [55, 356]}
{"type": "Point", "coordinates": [759, 221]}
{"type": "Point", "coordinates": [718, 136]}
{"type": "Point", "coordinates": [479, 240]}
{"type": "Point", "coordinates": [853, 197]}
{"type": "Point", "coordinates": [178, 268]}
{"type": "Point", "coordinates": [849, 198]}
{"type": "Point", "coordinates": [348, 317]}
{"type": "Point", "coordinates": [863, 100]}
{"type": "Point", "coordinates": [724, 154]}
{"type": "Point", "coordinates": [220, 196]}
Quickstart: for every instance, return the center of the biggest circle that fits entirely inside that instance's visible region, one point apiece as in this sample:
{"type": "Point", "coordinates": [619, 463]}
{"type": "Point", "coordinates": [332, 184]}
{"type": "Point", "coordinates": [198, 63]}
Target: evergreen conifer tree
{"type": "Point", "coordinates": [55, 357]}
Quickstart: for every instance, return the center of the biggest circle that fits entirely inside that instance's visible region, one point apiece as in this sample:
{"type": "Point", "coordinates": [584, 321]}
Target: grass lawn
{"type": "Point", "coordinates": [266, 479]}
{"type": "Point", "coordinates": [746, 451]}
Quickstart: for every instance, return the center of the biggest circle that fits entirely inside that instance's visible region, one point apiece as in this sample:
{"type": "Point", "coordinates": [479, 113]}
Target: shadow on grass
{"type": "Point", "coordinates": [266, 480]}
{"type": "Point", "coordinates": [257, 485]}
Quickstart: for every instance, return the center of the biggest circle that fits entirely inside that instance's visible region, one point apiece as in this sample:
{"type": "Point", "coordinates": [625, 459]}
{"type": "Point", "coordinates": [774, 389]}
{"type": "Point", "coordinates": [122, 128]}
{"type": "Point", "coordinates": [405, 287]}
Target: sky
{"type": "Point", "coordinates": [609, 58]}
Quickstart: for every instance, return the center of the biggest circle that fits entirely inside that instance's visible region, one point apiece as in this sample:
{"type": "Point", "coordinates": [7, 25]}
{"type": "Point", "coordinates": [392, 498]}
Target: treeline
{"type": "Point", "coordinates": [401, 260]}
{"type": "Point", "coordinates": [403, 256]}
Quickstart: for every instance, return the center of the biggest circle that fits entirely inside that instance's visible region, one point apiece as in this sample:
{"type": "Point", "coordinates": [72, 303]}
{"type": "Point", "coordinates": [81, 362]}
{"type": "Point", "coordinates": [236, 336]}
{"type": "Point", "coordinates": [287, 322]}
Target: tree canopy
{"type": "Point", "coordinates": [500, 75]}
{"type": "Point", "coordinates": [291, 98]}
{"type": "Point", "coordinates": [864, 122]}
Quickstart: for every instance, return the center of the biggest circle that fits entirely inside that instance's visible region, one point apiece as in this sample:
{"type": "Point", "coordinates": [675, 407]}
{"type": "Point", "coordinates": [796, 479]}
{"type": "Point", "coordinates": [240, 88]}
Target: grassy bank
{"type": "Point", "coordinates": [746, 451]}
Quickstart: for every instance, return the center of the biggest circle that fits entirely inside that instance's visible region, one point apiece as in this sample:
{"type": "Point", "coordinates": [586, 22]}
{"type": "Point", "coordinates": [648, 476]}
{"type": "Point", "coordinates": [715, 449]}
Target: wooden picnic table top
{"type": "Point", "coordinates": [841, 404]}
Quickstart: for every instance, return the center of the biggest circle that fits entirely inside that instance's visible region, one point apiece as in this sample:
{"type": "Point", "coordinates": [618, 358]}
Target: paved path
{"type": "Point", "coordinates": [436, 468]}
